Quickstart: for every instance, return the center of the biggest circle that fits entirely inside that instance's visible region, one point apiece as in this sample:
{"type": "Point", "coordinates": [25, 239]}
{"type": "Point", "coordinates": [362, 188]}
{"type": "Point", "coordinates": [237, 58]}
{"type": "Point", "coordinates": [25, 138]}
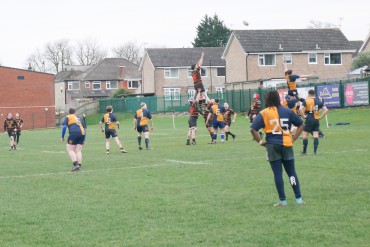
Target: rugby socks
{"type": "Point", "coordinates": [227, 135]}
{"type": "Point", "coordinates": [222, 137]}
{"type": "Point", "coordinates": [315, 144]}
{"type": "Point", "coordinates": [305, 143]}
{"type": "Point", "coordinates": [139, 140]}
{"type": "Point", "coordinates": [212, 134]}
{"type": "Point", "coordinates": [230, 134]}
{"type": "Point", "coordinates": [215, 136]}
{"type": "Point", "coordinates": [147, 143]}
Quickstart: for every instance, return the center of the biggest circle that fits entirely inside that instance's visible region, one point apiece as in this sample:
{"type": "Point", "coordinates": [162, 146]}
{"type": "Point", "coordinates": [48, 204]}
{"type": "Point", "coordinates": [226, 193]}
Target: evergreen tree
{"type": "Point", "coordinates": [211, 32]}
{"type": "Point", "coordinates": [362, 59]}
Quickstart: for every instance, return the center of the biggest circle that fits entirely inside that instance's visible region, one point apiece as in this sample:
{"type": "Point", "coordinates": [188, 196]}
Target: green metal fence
{"type": "Point", "coordinates": [239, 100]}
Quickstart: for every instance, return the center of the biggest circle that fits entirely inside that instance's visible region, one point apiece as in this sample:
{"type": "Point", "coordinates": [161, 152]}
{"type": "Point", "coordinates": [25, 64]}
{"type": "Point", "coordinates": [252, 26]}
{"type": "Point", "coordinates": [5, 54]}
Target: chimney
{"type": "Point", "coordinates": [121, 72]}
{"type": "Point", "coordinates": [317, 46]}
{"type": "Point", "coordinates": [29, 66]}
{"type": "Point", "coordinates": [280, 47]}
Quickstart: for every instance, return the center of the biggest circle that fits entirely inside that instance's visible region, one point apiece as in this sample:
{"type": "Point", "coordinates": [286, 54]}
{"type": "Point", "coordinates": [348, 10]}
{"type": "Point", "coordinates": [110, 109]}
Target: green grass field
{"type": "Point", "coordinates": [178, 195]}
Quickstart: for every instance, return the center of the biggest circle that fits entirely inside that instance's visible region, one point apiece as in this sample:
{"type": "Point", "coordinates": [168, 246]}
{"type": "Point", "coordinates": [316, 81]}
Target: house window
{"type": "Point", "coordinates": [203, 72]}
{"type": "Point", "coordinates": [333, 58]}
{"type": "Point", "coordinates": [221, 71]}
{"type": "Point", "coordinates": [112, 84]}
{"type": "Point", "coordinates": [96, 85]}
{"type": "Point", "coordinates": [133, 84]}
{"type": "Point", "coordinates": [87, 84]}
{"type": "Point", "coordinates": [219, 92]}
{"type": "Point", "coordinates": [287, 58]}
{"type": "Point", "coordinates": [20, 77]}
{"type": "Point", "coordinates": [171, 73]}
{"type": "Point", "coordinates": [266, 60]}
{"type": "Point", "coordinates": [312, 58]}
{"type": "Point", "coordinates": [73, 85]}
{"type": "Point", "coordinates": [191, 93]}
{"type": "Point", "coordinates": [172, 94]}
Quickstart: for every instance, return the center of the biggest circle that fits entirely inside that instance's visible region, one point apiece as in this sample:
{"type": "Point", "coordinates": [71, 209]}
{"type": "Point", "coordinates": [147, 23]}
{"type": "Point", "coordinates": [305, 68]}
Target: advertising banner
{"type": "Point", "coordinates": [356, 94]}
{"type": "Point", "coordinates": [329, 95]}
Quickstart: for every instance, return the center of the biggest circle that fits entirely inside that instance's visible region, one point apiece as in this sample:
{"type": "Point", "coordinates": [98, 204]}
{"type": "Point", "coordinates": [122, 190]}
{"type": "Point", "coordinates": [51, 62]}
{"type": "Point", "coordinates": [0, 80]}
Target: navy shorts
{"type": "Point", "coordinates": [110, 133]}
{"type": "Point", "coordinates": [293, 92]}
{"type": "Point", "coordinates": [75, 139]}
{"type": "Point", "coordinates": [143, 128]}
{"type": "Point", "coordinates": [218, 124]}
{"type": "Point", "coordinates": [311, 125]}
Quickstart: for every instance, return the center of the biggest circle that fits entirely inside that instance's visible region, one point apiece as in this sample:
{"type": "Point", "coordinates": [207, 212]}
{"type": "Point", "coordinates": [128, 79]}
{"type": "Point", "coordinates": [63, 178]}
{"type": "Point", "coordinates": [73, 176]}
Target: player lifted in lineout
{"type": "Point", "coordinates": [197, 78]}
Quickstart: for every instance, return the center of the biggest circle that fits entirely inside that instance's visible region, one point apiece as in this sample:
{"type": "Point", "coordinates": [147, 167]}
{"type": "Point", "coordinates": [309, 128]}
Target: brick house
{"type": "Point", "coordinates": [29, 93]}
{"type": "Point", "coordinates": [98, 81]}
{"type": "Point", "coordinates": [167, 71]}
{"type": "Point", "coordinates": [366, 44]}
{"type": "Point", "coordinates": [256, 55]}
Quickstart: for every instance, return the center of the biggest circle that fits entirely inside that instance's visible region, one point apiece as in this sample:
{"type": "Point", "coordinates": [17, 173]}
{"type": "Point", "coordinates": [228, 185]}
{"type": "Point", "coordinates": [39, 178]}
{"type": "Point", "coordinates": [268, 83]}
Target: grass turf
{"type": "Point", "coordinates": [178, 195]}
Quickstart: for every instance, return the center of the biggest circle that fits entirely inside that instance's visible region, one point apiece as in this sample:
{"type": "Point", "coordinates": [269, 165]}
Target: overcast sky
{"type": "Point", "coordinates": [27, 25]}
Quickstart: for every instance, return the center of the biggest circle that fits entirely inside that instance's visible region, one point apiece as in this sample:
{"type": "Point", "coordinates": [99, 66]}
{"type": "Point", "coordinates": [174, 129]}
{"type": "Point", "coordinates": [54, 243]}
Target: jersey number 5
{"type": "Point", "coordinates": [283, 126]}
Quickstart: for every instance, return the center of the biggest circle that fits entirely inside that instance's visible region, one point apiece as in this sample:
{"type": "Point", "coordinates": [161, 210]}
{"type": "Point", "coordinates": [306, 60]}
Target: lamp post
{"type": "Point", "coordinates": [46, 118]}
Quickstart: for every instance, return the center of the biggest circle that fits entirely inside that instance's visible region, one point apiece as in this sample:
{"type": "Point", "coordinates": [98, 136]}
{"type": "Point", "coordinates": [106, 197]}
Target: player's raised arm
{"type": "Point", "coordinates": [200, 61]}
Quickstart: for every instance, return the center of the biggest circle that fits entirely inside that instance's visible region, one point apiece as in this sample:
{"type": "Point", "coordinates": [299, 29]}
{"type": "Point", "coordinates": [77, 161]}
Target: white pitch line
{"type": "Point", "coordinates": [87, 171]}
{"type": "Point", "coordinates": [188, 162]}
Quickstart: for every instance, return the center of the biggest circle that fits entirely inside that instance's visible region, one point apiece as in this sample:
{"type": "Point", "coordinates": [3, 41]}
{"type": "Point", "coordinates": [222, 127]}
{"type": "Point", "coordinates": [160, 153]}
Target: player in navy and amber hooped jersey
{"type": "Point", "coordinates": [19, 125]}
{"type": "Point", "coordinates": [141, 119]}
{"type": "Point", "coordinates": [110, 120]}
{"type": "Point", "coordinates": [276, 121]}
{"type": "Point", "coordinates": [10, 127]}
{"type": "Point", "coordinates": [310, 111]}
{"type": "Point", "coordinates": [76, 138]}
{"type": "Point", "coordinates": [217, 113]}
{"type": "Point", "coordinates": [291, 80]}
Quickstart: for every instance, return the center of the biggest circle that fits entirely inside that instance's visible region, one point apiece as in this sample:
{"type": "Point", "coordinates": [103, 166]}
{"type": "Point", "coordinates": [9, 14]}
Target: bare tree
{"type": "Point", "coordinates": [89, 52]}
{"type": "Point", "coordinates": [320, 25]}
{"type": "Point", "coordinates": [130, 51]}
{"type": "Point", "coordinates": [36, 61]}
{"type": "Point", "coordinates": [59, 54]}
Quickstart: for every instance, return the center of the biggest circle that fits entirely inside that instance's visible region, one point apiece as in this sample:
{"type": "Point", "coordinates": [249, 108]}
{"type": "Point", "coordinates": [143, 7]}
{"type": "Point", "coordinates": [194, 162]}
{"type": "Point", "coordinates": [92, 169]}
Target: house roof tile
{"type": "Point", "coordinates": [183, 57]}
{"type": "Point", "coordinates": [291, 40]}
{"type": "Point", "coordinates": [108, 69]}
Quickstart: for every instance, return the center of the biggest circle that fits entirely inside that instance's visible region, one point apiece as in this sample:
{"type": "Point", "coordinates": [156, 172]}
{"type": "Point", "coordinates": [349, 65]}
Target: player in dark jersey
{"type": "Point", "coordinates": [141, 119]}
{"type": "Point", "coordinates": [76, 138]}
{"type": "Point", "coordinates": [228, 120]}
{"type": "Point", "coordinates": [110, 120]}
{"type": "Point", "coordinates": [310, 111]}
{"type": "Point", "coordinates": [254, 110]}
{"type": "Point", "coordinates": [10, 127]}
{"type": "Point", "coordinates": [276, 121]}
{"type": "Point", "coordinates": [217, 112]}
{"type": "Point", "coordinates": [209, 124]}
{"type": "Point", "coordinates": [19, 126]}
{"type": "Point", "coordinates": [197, 79]}
{"type": "Point", "coordinates": [193, 117]}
